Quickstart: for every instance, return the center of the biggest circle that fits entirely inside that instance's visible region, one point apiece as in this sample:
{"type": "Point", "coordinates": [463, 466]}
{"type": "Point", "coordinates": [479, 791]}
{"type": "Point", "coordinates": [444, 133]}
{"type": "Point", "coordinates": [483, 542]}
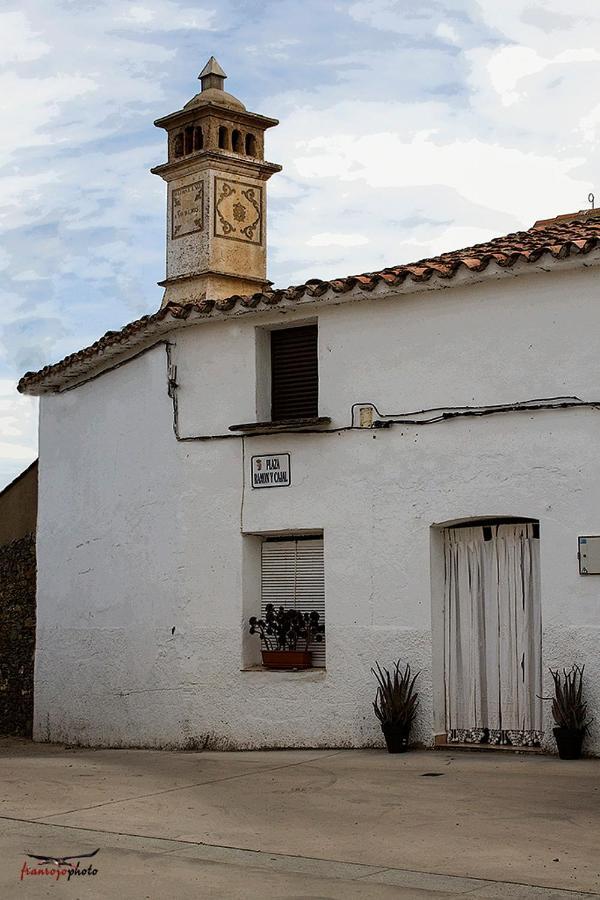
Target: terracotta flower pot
{"type": "Point", "coordinates": [569, 741]}
{"type": "Point", "coordinates": [396, 737]}
{"type": "Point", "coordinates": [287, 659]}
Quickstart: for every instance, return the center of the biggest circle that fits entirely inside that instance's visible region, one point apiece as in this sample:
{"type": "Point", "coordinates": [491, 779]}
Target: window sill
{"type": "Point", "coordinates": [284, 425]}
{"type": "Point", "coordinates": [315, 673]}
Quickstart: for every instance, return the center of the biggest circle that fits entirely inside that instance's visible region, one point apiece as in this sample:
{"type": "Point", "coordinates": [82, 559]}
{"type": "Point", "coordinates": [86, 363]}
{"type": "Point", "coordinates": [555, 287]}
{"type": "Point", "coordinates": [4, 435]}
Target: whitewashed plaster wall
{"type": "Point", "coordinates": [147, 567]}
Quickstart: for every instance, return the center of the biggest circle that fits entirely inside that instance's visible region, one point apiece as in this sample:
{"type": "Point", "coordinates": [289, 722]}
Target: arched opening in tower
{"type": "Point", "coordinates": [236, 141]}
{"type": "Point", "coordinates": [223, 138]}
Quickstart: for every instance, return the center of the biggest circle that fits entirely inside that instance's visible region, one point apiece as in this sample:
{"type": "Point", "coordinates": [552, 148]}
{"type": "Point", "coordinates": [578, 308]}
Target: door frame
{"type": "Point", "coordinates": [438, 610]}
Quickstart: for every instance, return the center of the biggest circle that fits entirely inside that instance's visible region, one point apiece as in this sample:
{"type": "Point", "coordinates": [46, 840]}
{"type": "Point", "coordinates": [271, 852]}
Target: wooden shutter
{"type": "Point", "coordinates": [293, 576]}
{"type": "Point", "coordinates": [294, 373]}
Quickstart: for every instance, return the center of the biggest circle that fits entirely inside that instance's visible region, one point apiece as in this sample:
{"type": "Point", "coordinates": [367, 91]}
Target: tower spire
{"type": "Point", "coordinates": [212, 75]}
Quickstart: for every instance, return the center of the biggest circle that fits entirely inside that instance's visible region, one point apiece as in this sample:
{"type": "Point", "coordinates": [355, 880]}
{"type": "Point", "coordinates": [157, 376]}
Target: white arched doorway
{"type": "Point", "coordinates": [492, 632]}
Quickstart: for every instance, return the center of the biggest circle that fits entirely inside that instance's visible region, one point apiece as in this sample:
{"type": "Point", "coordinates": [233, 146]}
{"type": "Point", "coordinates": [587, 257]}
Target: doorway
{"type": "Point", "coordinates": [492, 633]}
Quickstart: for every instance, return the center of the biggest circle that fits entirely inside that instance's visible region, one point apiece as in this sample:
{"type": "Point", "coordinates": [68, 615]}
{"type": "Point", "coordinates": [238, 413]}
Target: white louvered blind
{"type": "Point", "coordinates": [293, 576]}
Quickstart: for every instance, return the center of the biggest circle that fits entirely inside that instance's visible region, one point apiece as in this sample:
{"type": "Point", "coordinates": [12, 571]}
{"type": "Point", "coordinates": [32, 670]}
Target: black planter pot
{"type": "Point", "coordinates": [569, 741]}
{"type": "Point", "coordinates": [396, 737]}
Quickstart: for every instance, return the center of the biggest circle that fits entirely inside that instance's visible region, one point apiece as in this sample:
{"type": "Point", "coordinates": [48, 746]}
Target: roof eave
{"type": "Point", "coordinates": [192, 113]}
{"type": "Point", "coordinates": [65, 377]}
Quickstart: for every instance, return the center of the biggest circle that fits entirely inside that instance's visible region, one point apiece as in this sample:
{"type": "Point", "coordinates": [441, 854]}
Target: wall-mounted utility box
{"type": "Point", "coordinates": [589, 555]}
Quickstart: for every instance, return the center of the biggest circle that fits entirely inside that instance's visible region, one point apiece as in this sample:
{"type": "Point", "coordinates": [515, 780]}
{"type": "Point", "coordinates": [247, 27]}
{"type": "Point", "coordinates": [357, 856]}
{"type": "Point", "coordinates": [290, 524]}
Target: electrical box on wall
{"type": "Point", "coordinates": [589, 555]}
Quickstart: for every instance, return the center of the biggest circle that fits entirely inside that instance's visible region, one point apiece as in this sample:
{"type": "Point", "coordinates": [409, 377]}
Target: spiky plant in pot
{"type": "Point", "coordinates": [395, 704]}
{"type": "Point", "coordinates": [569, 711]}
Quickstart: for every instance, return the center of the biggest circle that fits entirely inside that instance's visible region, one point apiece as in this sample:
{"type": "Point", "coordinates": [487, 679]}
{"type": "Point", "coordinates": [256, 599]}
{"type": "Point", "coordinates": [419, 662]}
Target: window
{"type": "Point", "coordinates": [198, 138]}
{"type": "Point", "coordinates": [223, 138]}
{"type": "Point", "coordinates": [178, 145]}
{"type": "Point", "coordinates": [189, 139]}
{"type": "Point", "coordinates": [293, 576]}
{"type": "Point", "coordinates": [250, 145]}
{"type": "Point", "coordinates": [294, 373]}
{"type": "Point", "coordinates": [236, 141]}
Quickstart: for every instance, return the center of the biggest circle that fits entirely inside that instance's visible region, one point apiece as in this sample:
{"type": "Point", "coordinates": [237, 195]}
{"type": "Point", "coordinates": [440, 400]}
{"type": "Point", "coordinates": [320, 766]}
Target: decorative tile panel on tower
{"type": "Point", "coordinates": [216, 204]}
{"type": "Point", "coordinates": [187, 207]}
{"type": "Point", "coordinates": [238, 211]}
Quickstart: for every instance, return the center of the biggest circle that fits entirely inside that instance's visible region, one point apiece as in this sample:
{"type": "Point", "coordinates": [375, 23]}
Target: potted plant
{"type": "Point", "coordinates": [286, 636]}
{"type": "Point", "coordinates": [396, 705]}
{"type": "Point", "coordinates": [569, 711]}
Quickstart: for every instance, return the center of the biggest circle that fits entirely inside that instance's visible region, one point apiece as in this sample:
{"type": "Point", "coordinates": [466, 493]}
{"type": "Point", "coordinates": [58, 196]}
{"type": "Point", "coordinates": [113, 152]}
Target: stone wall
{"type": "Point", "coordinates": [17, 635]}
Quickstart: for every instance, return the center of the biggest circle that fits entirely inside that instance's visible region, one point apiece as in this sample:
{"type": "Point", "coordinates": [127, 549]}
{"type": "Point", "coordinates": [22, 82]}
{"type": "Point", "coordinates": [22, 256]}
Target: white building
{"type": "Point", "coordinates": [153, 539]}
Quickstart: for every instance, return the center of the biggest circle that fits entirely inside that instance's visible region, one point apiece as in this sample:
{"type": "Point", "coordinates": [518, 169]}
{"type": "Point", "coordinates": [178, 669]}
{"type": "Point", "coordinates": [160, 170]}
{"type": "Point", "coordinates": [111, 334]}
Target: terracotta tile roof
{"type": "Point", "coordinates": [557, 238]}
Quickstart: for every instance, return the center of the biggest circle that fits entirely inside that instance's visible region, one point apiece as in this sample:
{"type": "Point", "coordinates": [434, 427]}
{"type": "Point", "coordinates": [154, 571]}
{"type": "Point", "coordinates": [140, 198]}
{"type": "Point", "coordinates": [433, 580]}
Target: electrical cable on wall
{"type": "Point", "coordinates": [438, 414]}
{"type": "Point", "coordinates": [431, 416]}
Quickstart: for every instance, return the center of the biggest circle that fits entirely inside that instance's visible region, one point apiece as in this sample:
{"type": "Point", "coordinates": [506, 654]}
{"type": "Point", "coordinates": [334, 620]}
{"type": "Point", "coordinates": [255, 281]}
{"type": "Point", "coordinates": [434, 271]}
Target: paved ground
{"type": "Point", "coordinates": [300, 825]}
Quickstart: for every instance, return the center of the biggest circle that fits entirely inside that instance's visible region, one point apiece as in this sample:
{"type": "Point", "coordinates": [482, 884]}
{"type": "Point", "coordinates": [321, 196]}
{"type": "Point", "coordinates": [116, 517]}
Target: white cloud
{"type": "Point", "coordinates": [336, 239]}
{"type": "Point", "coordinates": [22, 198]}
{"type": "Point", "coordinates": [18, 431]}
{"type": "Point", "coordinates": [409, 16]}
{"type": "Point", "coordinates": [16, 452]}
{"type": "Point", "coordinates": [507, 179]}
{"type": "Point", "coordinates": [30, 104]}
{"type": "Point", "coordinates": [447, 33]}
{"type": "Point", "coordinates": [160, 15]}
{"type": "Point", "coordinates": [282, 49]}
{"type": "Point", "coordinates": [20, 43]}
{"type": "Point", "coordinates": [508, 65]}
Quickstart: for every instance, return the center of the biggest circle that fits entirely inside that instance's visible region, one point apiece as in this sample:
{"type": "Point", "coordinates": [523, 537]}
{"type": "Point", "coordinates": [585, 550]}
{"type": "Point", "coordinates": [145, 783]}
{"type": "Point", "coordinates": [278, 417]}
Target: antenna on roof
{"type": "Point", "coordinates": [591, 199]}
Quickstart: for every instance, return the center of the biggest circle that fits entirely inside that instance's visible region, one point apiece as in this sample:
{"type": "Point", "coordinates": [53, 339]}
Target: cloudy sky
{"type": "Point", "coordinates": [408, 127]}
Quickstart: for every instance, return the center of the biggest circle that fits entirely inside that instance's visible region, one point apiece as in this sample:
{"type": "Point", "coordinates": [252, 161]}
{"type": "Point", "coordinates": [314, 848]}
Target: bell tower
{"type": "Point", "coordinates": [216, 178]}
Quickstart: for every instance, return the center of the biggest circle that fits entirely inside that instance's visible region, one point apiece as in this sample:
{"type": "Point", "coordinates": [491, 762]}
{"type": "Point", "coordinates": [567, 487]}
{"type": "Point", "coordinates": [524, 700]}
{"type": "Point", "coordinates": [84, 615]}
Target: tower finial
{"type": "Point", "coordinates": [212, 75]}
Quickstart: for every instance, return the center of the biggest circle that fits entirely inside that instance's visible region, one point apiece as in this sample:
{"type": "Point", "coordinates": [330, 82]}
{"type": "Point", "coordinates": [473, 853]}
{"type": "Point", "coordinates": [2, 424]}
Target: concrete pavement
{"type": "Point", "coordinates": [299, 824]}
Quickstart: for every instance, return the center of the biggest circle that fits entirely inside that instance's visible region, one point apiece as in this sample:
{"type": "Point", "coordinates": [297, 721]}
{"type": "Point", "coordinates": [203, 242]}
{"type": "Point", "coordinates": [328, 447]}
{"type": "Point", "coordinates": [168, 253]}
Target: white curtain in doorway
{"type": "Point", "coordinates": [493, 634]}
